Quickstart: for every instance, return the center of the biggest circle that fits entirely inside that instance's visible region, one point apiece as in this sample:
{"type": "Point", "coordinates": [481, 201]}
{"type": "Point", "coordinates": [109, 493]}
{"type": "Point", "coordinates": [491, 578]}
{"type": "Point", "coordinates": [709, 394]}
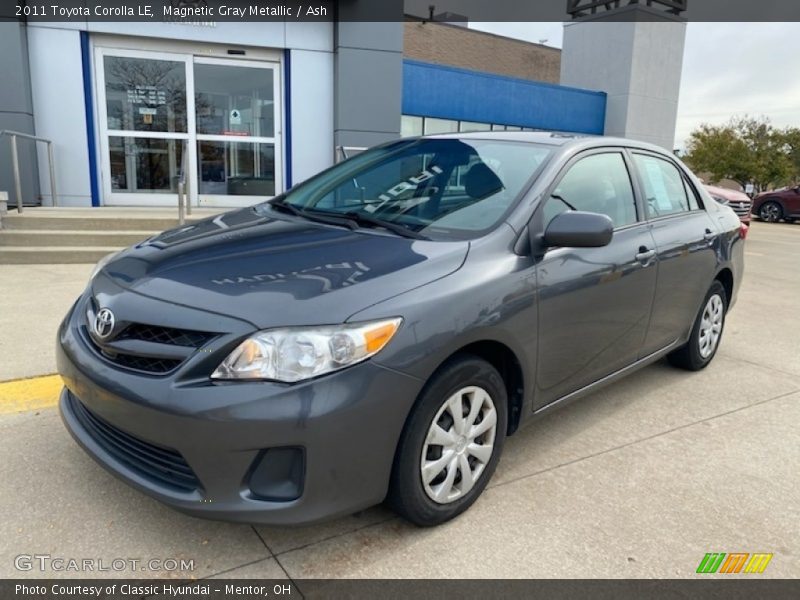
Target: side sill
{"type": "Point", "coordinates": [608, 379]}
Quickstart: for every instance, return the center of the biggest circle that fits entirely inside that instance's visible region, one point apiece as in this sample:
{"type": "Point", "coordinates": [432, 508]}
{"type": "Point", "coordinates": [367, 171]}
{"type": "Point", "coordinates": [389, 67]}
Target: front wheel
{"type": "Point", "coordinates": [451, 443]}
{"type": "Point", "coordinates": [706, 332]}
{"type": "Point", "coordinates": [771, 212]}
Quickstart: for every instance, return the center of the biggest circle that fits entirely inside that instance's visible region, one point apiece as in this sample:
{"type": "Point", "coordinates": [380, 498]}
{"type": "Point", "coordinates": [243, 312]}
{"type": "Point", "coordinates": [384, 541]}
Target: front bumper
{"type": "Point", "coordinates": [346, 423]}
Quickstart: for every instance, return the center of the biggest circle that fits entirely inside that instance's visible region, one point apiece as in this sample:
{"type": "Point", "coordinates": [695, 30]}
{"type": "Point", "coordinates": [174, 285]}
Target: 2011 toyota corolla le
{"type": "Point", "coordinates": [378, 331]}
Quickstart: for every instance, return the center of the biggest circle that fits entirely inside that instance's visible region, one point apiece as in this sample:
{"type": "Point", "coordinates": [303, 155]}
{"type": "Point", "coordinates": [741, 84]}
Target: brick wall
{"type": "Point", "coordinates": [445, 44]}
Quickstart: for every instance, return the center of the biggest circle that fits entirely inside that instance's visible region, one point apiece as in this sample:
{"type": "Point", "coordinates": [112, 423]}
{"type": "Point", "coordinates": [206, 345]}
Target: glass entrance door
{"type": "Point", "coordinates": [218, 119]}
{"type": "Point", "coordinates": [238, 124]}
{"type": "Point", "coordinates": [144, 124]}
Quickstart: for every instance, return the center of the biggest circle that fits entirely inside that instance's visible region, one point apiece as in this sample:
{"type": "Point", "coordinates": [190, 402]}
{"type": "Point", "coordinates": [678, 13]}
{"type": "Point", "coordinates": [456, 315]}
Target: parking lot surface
{"type": "Point", "coordinates": [641, 479]}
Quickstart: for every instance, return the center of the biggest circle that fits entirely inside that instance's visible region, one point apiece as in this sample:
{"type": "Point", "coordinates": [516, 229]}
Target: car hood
{"type": "Point", "coordinates": [729, 195]}
{"type": "Point", "coordinates": [772, 193]}
{"type": "Point", "coordinates": [279, 271]}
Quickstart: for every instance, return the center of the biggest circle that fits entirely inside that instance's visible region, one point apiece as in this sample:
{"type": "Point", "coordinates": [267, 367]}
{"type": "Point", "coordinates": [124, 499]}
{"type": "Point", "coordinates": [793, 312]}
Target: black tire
{"type": "Point", "coordinates": [407, 494]}
{"type": "Point", "coordinates": [689, 355]}
{"type": "Point", "coordinates": [771, 211]}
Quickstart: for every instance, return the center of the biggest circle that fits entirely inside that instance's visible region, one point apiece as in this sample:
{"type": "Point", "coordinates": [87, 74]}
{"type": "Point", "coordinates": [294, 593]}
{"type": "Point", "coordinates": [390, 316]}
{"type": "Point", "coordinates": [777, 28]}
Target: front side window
{"type": "Point", "coordinates": [664, 187]}
{"type": "Point", "coordinates": [600, 184]}
{"type": "Point", "coordinates": [432, 187]}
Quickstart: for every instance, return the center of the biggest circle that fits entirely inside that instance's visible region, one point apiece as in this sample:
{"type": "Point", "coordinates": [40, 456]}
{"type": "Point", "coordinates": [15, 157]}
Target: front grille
{"type": "Point", "coordinates": [165, 335]}
{"type": "Point", "coordinates": [739, 210]}
{"type": "Point", "coordinates": [161, 465]}
{"type": "Point", "coordinates": [140, 357]}
{"type": "Point", "coordinates": [143, 363]}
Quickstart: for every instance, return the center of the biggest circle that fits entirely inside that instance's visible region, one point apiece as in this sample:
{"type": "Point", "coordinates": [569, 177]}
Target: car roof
{"type": "Point", "coordinates": [553, 138]}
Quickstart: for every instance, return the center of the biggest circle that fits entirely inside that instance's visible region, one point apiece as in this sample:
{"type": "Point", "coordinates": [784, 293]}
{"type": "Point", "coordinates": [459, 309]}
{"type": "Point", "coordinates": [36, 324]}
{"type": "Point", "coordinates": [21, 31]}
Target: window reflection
{"type": "Point", "coordinates": [433, 126]}
{"type": "Point", "coordinates": [144, 94]}
{"type": "Point", "coordinates": [234, 100]}
{"type": "Point", "coordinates": [236, 168]}
{"type": "Point", "coordinates": [144, 165]}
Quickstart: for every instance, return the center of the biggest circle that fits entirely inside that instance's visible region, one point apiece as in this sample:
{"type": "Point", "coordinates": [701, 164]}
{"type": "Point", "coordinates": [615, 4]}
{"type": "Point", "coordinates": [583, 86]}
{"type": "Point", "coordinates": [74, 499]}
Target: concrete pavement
{"type": "Point", "coordinates": [33, 301]}
{"type": "Point", "coordinates": [639, 480]}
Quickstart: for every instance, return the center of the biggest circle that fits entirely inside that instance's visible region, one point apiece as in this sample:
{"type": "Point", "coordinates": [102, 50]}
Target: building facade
{"type": "Point", "coordinates": [473, 50]}
{"type": "Point", "coordinates": [246, 110]}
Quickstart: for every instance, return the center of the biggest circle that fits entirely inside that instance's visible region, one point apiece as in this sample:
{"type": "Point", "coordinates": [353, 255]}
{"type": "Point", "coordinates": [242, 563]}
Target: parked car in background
{"type": "Point", "coordinates": [779, 204]}
{"type": "Point", "coordinates": [738, 201]}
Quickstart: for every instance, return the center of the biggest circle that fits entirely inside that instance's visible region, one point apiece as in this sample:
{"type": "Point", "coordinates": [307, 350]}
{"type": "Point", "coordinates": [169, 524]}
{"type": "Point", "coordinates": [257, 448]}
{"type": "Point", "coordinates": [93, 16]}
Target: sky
{"type": "Point", "coordinates": [728, 69]}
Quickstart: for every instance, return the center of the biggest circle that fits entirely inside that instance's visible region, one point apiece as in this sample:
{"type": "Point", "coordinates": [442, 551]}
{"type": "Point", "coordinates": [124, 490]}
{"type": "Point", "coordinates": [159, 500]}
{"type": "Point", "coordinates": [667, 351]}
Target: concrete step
{"type": "Point", "coordinates": [88, 223]}
{"type": "Point", "coordinates": [99, 219]}
{"type": "Point", "coordinates": [52, 237]}
{"type": "Point", "coordinates": [10, 255]}
{"type": "Point", "coordinates": [81, 235]}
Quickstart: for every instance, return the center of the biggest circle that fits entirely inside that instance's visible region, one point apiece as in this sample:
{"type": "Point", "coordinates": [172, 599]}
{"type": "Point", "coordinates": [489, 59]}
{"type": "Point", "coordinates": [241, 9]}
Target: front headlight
{"type": "Point", "coordinates": [298, 353]}
{"type": "Point", "coordinates": [102, 263]}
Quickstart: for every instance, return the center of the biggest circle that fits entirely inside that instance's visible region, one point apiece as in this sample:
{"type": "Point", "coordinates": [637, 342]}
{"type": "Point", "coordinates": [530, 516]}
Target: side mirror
{"type": "Point", "coordinates": [576, 229]}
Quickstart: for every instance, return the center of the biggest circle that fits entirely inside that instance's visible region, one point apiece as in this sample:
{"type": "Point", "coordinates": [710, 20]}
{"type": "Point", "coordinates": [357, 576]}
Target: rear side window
{"type": "Point", "coordinates": [599, 183]}
{"type": "Point", "coordinates": [694, 201]}
{"type": "Point", "coordinates": [665, 189]}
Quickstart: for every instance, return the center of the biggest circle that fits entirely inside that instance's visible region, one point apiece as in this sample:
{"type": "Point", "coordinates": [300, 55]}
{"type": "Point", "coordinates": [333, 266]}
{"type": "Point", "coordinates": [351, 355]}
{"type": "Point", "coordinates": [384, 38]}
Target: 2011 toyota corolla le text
{"type": "Point", "coordinates": [379, 330]}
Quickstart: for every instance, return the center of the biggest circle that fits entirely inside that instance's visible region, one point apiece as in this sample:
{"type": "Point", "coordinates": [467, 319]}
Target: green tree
{"type": "Point", "coordinates": [791, 137]}
{"type": "Point", "coordinates": [745, 150]}
{"type": "Point", "coordinates": [718, 151]}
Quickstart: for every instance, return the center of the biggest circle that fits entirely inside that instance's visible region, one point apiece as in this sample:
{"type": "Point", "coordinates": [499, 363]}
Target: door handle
{"type": "Point", "coordinates": [709, 236]}
{"type": "Point", "coordinates": [644, 256]}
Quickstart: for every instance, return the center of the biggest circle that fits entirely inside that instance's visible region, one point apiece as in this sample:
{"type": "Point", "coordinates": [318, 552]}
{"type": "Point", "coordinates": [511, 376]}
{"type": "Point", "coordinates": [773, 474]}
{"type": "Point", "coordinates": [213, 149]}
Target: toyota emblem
{"type": "Point", "coordinates": [103, 323]}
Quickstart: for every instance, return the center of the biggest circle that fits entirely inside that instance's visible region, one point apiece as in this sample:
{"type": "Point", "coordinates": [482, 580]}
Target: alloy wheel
{"type": "Point", "coordinates": [711, 326]}
{"type": "Point", "coordinates": [459, 444]}
{"type": "Point", "coordinates": [771, 212]}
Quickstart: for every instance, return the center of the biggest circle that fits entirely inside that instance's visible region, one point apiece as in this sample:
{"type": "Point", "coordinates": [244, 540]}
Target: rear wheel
{"type": "Point", "coordinates": [771, 212]}
{"type": "Point", "coordinates": [706, 332]}
{"type": "Point", "coordinates": [451, 443]}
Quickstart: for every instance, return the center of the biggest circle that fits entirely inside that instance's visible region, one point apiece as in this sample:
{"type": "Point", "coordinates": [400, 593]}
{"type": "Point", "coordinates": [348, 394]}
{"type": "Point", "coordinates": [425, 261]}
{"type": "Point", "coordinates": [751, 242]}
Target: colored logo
{"type": "Point", "coordinates": [735, 562]}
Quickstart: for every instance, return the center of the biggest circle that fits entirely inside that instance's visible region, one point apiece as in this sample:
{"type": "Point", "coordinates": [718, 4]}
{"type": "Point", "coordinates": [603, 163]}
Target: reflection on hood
{"type": "Point", "coordinates": [330, 276]}
{"type": "Point", "coordinates": [280, 271]}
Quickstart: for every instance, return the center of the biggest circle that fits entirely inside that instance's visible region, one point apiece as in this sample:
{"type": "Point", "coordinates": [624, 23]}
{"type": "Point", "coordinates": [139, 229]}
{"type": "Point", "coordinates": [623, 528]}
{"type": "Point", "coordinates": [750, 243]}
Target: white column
{"type": "Point", "coordinates": [637, 63]}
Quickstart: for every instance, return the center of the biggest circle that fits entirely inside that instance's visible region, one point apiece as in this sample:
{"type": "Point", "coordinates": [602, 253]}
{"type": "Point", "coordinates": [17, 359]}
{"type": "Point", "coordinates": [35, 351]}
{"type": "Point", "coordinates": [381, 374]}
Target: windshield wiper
{"type": "Point", "coordinates": [367, 219]}
{"type": "Point", "coordinates": [328, 219]}
{"type": "Point", "coordinates": [350, 219]}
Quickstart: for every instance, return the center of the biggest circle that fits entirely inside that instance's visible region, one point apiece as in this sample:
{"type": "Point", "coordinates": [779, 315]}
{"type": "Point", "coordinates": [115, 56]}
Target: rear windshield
{"type": "Point", "coordinates": [437, 188]}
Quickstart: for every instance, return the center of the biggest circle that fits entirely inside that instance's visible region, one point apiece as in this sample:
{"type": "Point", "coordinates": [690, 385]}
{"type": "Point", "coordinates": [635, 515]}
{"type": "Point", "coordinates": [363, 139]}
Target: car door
{"type": "Point", "coordinates": [791, 202]}
{"type": "Point", "coordinates": [686, 239]}
{"type": "Point", "coordinates": [594, 303]}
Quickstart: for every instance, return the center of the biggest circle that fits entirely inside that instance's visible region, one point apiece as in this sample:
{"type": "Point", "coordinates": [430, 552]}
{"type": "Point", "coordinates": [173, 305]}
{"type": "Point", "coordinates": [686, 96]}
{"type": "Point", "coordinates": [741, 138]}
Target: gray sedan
{"type": "Point", "coordinates": [378, 331]}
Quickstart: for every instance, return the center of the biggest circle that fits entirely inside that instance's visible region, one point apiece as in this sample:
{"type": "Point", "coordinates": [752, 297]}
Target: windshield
{"type": "Point", "coordinates": [422, 187]}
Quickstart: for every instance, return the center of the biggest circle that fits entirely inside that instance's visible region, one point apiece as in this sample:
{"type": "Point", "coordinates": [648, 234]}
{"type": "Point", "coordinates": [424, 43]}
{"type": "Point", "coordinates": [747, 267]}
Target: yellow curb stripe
{"type": "Point", "coordinates": [35, 393]}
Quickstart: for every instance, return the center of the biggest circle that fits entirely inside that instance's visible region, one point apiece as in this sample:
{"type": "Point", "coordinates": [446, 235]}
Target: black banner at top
{"type": "Point", "coordinates": [455, 11]}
